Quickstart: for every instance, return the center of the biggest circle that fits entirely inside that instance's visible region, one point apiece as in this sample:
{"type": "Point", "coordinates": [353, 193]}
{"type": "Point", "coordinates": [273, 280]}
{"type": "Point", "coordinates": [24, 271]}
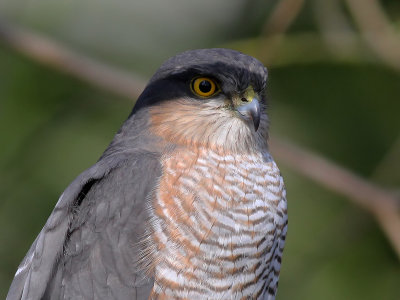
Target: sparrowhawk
{"type": "Point", "coordinates": [185, 203]}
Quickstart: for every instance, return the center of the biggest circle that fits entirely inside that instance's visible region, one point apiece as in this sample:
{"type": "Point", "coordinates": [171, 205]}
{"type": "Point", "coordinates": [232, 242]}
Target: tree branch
{"type": "Point", "coordinates": [383, 205]}
{"type": "Point", "coordinates": [282, 16]}
{"type": "Point", "coordinates": [64, 60]}
{"type": "Point", "coordinates": [376, 30]}
{"type": "Point", "coordinates": [283, 50]}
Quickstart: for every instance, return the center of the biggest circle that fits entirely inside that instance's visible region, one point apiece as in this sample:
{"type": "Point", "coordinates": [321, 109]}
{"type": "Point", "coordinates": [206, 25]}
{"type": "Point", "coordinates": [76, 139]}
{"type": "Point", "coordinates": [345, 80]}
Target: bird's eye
{"type": "Point", "coordinates": [204, 87]}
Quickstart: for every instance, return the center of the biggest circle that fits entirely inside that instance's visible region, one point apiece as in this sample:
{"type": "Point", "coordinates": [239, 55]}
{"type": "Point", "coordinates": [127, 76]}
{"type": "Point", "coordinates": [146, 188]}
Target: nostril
{"type": "Point", "coordinates": [244, 99]}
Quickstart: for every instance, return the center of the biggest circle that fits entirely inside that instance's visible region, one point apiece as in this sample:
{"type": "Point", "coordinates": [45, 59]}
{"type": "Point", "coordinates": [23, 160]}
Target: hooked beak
{"type": "Point", "coordinates": [251, 111]}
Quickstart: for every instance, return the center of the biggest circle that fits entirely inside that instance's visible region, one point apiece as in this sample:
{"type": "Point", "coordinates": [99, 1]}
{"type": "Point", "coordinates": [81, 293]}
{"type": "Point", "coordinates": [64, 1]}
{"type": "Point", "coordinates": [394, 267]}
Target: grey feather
{"type": "Point", "coordinates": [87, 248]}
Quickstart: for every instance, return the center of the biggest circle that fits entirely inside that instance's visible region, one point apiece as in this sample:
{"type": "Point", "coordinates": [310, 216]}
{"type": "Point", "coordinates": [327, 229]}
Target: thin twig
{"type": "Point", "coordinates": [362, 192]}
{"type": "Point", "coordinates": [376, 30]}
{"type": "Point", "coordinates": [278, 23]}
{"type": "Point", "coordinates": [383, 205]}
{"type": "Point", "coordinates": [304, 48]}
{"type": "Point", "coordinates": [282, 16]}
{"type": "Point", "coordinates": [335, 28]}
{"type": "Point", "coordinates": [59, 57]}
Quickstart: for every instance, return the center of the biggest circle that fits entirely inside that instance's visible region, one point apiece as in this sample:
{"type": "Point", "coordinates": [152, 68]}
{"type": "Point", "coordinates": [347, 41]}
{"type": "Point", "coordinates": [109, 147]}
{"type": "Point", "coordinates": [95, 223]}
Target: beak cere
{"type": "Point", "coordinates": [251, 111]}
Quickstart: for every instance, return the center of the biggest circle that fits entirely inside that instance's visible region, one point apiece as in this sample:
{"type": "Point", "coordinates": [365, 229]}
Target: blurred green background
{"type": "Point", "coordinates": [334, 87]}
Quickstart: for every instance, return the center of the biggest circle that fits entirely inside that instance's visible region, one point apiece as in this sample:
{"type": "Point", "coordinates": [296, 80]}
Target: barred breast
{"type": "Point", "coordinates": [218, 226]}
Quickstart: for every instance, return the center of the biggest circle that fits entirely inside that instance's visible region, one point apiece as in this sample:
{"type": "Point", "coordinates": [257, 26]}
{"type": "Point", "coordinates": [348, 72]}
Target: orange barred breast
{"type": "Point", "coordinates": [218, 225]}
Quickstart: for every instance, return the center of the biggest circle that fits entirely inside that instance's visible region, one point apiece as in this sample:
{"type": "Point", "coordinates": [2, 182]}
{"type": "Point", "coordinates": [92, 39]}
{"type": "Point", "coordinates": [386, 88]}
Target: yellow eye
{"type": "Point", "coordinates": [204, 87]}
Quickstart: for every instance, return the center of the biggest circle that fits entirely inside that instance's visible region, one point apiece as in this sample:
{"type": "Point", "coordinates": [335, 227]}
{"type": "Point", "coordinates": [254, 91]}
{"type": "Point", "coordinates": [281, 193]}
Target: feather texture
{"type": "Point", "coordinates": [186, 202]}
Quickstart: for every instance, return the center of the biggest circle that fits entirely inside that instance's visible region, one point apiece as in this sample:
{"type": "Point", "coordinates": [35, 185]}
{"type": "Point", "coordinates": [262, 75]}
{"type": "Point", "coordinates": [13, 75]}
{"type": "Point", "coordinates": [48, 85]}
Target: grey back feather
{"type": "Point", "coordinates": [35, 270]}
{"type": "Point", "coordinates": [86, 249]}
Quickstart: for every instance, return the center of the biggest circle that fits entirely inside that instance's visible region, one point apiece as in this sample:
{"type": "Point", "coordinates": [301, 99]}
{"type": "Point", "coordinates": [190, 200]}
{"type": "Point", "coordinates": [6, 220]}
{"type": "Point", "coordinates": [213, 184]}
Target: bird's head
{"type": "Point", "coordinates": [208, 97]}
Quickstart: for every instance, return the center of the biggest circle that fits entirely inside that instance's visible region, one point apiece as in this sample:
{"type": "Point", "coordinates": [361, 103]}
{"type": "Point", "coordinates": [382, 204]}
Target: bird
{"type": "Point", "coordinates": [186, 202]}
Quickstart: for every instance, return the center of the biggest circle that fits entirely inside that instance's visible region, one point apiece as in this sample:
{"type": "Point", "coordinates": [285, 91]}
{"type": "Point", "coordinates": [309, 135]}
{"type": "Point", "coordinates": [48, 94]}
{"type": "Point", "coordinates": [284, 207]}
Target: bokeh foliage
{"type": "Point", "coordinates": [53, 126]}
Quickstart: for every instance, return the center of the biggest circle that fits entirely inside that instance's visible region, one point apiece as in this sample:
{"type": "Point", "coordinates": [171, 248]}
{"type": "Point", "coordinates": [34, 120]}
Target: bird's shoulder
{"type": "Point", "coordinates": [107, 196]}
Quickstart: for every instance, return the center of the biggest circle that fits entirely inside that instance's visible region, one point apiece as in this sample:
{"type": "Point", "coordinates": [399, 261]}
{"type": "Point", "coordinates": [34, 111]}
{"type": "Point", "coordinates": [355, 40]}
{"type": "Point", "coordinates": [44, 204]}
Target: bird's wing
{"type": "Point", "coordinates": [86, 242]}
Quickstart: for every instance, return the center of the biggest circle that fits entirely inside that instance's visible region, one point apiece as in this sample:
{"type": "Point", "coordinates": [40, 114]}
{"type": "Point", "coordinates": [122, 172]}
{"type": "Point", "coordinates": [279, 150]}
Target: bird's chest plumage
{"type": "Point", "coordinates": [218, 225]}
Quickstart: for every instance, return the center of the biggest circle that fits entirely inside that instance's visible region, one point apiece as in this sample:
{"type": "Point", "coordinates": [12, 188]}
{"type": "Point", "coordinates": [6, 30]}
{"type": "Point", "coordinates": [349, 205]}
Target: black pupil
{"type": "Point", "coordinates": [205, 86]}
